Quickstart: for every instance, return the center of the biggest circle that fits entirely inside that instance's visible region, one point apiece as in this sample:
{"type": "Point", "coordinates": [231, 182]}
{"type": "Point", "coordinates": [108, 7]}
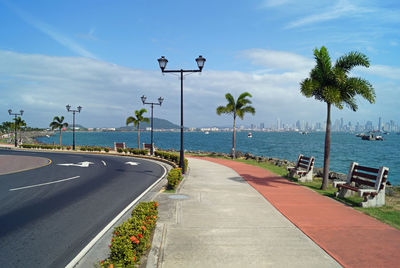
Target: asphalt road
{"type": "Point", "coordinates": [49, 214]}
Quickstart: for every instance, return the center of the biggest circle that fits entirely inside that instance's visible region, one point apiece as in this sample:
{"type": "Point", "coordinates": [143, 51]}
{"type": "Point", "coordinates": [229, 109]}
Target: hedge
{"type": "Point", "coordinates": [174, 157]}
{"type": "Point", "coordinates": [174, 178]}
{"type": "Point", "coordinates": [59, 147]}
{"type": "Point", "coordinates": [131, 239]}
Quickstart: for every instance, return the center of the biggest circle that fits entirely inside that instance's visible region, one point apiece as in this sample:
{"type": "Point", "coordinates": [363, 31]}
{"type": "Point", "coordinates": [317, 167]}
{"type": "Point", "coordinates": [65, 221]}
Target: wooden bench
{"type": "Point", "coordinates": [118, 145]}
{"type": "Point", "coordinates": [304, 168]}
{"type": "Point", "coordinates": [147, 146]}
{"type": "Point", "coordinates": [368, 182]}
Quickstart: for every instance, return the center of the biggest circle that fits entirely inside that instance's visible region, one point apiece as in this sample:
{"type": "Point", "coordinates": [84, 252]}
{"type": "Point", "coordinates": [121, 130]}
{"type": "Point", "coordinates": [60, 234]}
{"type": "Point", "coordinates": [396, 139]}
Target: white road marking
{"type": "Point", "coordinates": [42, 184]}
{"type": "Point", "coordinates": [104, 163]}
{"type": "Point", "coordinates": [80, 164]}
{"type": "Point", "coordinates": [85, 250]}
{"type": "Point", "coordinates": [132, 163]}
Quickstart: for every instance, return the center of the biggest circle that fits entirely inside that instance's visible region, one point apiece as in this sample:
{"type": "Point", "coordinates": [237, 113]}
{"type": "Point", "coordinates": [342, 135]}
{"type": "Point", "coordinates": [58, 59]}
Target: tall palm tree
{"type": "Point", "coordinates": [332, 85]}
{"type": "Point", "coordinates": [137, 120]}
{"type": "Point", "coordinates": [18, 124]}
{"type": "Point", "coordinates": [236, 108]}
{"type": "Point", "coordinates": [58, 123]}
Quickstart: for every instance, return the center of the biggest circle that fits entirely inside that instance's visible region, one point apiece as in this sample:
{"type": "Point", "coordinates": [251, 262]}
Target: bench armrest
{"type": "Point", "coordinates": [336, 183]}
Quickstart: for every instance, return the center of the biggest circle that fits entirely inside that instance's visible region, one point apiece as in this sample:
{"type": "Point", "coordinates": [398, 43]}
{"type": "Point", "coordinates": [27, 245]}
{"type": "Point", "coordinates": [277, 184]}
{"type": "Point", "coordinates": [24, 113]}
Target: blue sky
{"type": "Point", "coordinates": [102, 55]}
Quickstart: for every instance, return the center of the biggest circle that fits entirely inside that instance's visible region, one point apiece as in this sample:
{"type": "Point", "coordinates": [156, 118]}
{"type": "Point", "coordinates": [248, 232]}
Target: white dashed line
{"type": "Point", "coordinates": [42, 184]}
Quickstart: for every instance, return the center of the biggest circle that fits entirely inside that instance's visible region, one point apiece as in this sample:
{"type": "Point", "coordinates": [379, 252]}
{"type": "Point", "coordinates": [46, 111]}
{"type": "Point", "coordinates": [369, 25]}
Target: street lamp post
{"type": "Point", "coordinates": [21, 112]}
{"type": "Point", "coordinates": [79, 108]}
{"type": "Point", "coordinates": [160, 101]}
{"type": "Point", "coordinates": [200, 64]}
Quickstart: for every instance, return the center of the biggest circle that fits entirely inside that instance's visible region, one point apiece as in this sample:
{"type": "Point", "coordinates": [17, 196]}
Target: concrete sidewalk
{"type": "Point", "coordinates": [218, 220]}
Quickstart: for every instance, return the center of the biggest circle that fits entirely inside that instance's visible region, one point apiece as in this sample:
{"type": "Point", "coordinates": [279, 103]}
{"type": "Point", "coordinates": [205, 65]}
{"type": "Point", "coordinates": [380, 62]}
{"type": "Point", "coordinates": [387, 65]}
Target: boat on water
{"type": "Point", "coordinates": [206, 132]}
{"type": "Point", "coordinates": [249, 135]}
{"type": "Point", "coordinates": [372, 137]}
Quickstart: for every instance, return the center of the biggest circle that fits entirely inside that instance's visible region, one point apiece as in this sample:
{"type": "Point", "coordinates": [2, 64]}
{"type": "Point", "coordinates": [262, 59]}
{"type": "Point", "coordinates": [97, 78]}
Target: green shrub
{"type": "Point", "coordinates": [131, 239]}
{"type": "Point", "coordinates": [174, 157]}
{"type": "Point", "coordinates": [174, 178]}
{"type": "Point", "coordinates": [106, 149]}
{"type": "Point", "coordinates": [120, 150]}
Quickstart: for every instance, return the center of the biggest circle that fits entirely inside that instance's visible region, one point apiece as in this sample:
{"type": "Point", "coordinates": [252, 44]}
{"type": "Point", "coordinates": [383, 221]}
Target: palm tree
{"type": "Point", "coordinates": [136, 121]}
{"type": "Point", "coordinates": [58, 123]}
{"type": "Point", "coordinates": [18, 123]}
{"type": "Point", "coordinates": [331, 84]}
{"type": "Point", "coordinates": [236, 108]}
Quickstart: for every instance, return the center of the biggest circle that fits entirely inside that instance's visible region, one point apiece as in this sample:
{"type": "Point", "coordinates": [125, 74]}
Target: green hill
{"type": "Point", "coordinates": [158, 123]}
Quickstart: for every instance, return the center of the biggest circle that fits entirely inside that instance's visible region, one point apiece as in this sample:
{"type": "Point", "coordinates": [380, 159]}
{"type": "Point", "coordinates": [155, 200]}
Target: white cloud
{"type": "Point", "coordinates": [383, 71]}
{"type": "Point", "coordinates": [341, 9]}
{"type": "Point", "coordinates": [43, 85]}
{"type": "Point", "coordinates": [280, 60]}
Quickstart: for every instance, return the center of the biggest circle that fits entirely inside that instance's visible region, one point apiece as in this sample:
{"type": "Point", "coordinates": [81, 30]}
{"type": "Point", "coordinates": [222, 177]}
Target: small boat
{"type": "Point", "coordinates": [304, 133]}
{"type": "Point", "coordinates": [48, 136]}
{"type": "Point", "coordinates": [249, 135]}
{"type": "Point", "coordinates": [371, 137]}
{"type": "Point", "coordinates": [206, 132]}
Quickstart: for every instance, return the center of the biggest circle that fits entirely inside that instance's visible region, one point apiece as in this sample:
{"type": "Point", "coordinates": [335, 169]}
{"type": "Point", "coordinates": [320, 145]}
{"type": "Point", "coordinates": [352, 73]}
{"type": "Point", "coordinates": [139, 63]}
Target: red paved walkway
{"type": "Point", "coordinates": [351, 237]}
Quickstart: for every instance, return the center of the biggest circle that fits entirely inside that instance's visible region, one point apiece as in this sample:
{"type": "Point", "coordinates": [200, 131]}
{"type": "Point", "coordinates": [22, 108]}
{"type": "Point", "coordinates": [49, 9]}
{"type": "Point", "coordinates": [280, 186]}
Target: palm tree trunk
{"type": "Point", "coordinates": [138, 136]}
{"type": "Point", "coordinates": [233, 151]}
{"type": "Point", "coordinates": [325, 179]}
{"type": "Point", "coordinates": [60, 136]}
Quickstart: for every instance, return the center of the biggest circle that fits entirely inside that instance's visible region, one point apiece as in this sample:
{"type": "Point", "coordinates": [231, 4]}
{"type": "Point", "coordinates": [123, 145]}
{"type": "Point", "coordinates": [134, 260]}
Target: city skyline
{"type": "Point", "coordinates": [103, 57]}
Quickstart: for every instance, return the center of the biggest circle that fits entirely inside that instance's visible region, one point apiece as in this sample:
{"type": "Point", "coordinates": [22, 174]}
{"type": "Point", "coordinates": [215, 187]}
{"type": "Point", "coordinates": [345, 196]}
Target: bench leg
{"type": "Point", "coordinates": [374, 201]}
{"type": "Point", "coordinates": [343, 192]}
{"type": "Point", "coordinates": [306, 178]}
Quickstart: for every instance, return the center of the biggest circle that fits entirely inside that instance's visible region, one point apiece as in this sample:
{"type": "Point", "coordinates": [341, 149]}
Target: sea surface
{"type": "Point", "coordinates": [345, 147]}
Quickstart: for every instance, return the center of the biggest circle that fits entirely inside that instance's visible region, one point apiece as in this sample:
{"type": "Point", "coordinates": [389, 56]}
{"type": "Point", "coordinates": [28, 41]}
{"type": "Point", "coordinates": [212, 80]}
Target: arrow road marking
{"type": "Point", "coordinates": [104, 163]}
{"type": "Point", "coordinates": [132, 163]}
{"type": "Point", "coordinates": [42, 184]}
{"type": "Point", "coordinates": [80, 164]}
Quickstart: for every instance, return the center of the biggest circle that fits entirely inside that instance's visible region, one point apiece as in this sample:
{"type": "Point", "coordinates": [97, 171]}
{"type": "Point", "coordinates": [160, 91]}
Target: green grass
{"type": "Point", "coordinates": [389, 214]}
{"type": "Point", "coordinates": [3, 141]}
{"type": "Point", "coordinates": [281, 171]}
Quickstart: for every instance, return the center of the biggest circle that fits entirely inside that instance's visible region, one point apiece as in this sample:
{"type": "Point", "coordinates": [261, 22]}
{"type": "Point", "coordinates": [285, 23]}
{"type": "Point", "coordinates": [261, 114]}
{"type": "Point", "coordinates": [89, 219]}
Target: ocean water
{"type": "Point", "coordinates": [345, 147]}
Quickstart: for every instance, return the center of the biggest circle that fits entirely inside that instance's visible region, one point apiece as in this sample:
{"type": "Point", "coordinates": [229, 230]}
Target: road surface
{"type": "Point", "coordinates": [49, 214]}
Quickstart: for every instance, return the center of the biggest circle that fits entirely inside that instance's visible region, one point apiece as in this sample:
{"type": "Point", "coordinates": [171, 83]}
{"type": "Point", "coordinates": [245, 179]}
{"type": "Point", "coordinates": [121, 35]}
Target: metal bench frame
{"type": "Point", "coordinates": [369, 183]}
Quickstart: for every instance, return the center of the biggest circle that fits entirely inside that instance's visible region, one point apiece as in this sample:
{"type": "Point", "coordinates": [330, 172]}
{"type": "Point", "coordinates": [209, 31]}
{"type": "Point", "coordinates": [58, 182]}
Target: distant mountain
{"type": "Point", "coordinates": [158, 123]}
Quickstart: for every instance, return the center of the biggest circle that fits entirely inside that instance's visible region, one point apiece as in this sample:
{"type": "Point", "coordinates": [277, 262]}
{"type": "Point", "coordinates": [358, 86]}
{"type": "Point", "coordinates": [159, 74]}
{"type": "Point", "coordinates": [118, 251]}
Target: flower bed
{"type": "Point", "coordinates": [132, 238]}
{"type": "Point", "coordinates": [174, 178]}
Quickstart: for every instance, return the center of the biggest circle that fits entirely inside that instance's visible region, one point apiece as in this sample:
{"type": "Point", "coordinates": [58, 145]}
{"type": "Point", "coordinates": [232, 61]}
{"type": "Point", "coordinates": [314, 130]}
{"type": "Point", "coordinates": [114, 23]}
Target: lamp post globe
{"type": "Point", "coordinates": [162, 62]}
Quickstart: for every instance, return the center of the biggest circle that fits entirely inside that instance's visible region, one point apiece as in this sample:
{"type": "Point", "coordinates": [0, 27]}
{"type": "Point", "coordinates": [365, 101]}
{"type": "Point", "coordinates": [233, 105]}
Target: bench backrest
{"type": "Point", "coordinates": [119, 145]}
{"type": "Point", "coordinates": [147, 146]}
{"type": "Point", "coordinates": [306, 163]}
{"type": "Point", "coordinates": [371, 177]}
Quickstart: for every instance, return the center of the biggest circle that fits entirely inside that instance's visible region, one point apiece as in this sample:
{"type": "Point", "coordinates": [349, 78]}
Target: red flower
{"type": "Point", "coordinates": [134, 239]}
{"type": "Point", "coordinates": [140, 235]}
{"type": "Point", "coordinates": [155, 217]}
{"type": "Point", "coordinates": [147, 217]}
{"type": "Point", "coordinates": [144, 228]}
{"type": "Point", "coordinates": [133, 258]}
